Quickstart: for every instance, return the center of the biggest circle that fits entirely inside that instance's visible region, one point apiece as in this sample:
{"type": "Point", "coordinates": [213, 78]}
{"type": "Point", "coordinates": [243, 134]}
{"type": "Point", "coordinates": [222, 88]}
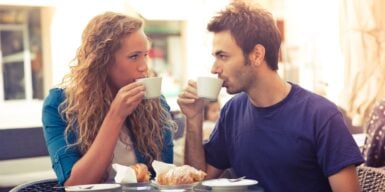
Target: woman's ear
{"type": "Point", "coordinates": [257, 55]}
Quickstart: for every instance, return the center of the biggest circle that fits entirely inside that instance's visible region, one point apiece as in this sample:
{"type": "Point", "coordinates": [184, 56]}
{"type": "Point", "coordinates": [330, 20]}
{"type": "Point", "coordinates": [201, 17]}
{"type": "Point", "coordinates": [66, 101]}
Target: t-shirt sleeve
{"type": "Point", "coordinates": [336, 146]}
{"type": "Point", "coordinates": [216, 149]}
{"type": "Point", "coordinates": [63, 157]}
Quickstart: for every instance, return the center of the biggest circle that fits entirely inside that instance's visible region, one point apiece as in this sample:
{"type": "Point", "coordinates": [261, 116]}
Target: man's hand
{"type": "Point", "coordinates": [189, 102]}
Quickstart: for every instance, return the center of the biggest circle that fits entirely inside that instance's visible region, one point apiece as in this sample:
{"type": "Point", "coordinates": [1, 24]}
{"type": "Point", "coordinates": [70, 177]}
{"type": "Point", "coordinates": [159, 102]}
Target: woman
{"type": "Point", "coordinates": [374, 147]}
{"type": "Point", "coordinates": [98, 116]}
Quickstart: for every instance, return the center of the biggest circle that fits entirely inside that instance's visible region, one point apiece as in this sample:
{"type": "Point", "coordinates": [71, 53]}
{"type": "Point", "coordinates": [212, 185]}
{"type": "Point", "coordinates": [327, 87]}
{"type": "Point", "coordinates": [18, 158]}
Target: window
{"type": "Point", "coordinates": [21, 66]}
{"type": "Point", "coordinates": [166, 53]}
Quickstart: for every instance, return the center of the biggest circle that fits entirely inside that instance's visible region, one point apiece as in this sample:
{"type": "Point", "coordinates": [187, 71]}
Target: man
{"type": "Point", "coordinates": [276, 132]}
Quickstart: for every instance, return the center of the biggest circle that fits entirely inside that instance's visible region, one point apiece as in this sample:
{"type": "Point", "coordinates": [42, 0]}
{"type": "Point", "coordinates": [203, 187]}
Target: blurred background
{"type": "Point", "coordinates": [333, 48]}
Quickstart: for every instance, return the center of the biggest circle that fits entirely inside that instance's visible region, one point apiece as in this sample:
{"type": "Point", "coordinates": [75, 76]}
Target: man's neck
{"type": "Point", "coordinates": [269, 92]}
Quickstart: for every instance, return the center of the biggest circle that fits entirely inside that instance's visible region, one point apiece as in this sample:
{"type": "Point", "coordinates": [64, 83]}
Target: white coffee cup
{"type": "Point", "coordinates": [209, 87]}
{"type": "Point", "coordinates": [153, 86]}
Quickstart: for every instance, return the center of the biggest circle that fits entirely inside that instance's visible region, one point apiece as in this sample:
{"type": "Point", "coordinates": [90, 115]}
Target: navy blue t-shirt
{"type": "Point", "coordinates": [293, 145]}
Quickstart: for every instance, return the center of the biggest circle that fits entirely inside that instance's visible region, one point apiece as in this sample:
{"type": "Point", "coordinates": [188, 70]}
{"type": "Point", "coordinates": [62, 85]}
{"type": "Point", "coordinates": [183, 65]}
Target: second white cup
{"type": "Point", "coordinates": [209, 87]}
{"type": "Point", "coordinates": [153, 86]}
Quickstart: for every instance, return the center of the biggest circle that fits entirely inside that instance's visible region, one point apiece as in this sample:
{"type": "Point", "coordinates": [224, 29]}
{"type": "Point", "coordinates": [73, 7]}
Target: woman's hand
{"type": "Point", "coordinates": [127, 99]}
{"type": "Point", "coordinates": [189, 102]}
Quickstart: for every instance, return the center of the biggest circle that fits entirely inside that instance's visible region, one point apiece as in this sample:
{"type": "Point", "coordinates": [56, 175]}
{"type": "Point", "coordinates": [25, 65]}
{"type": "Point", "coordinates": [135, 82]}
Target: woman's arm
{"type": "Point", "coordinates": [70, 167]}
{"type": "Point", "coordinates": [91, 168]}
{"type": "Point", "coordinates": [62, 157]}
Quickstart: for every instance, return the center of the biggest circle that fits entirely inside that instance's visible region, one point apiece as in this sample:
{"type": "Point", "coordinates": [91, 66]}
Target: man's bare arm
{"type": "Point", "coordinates": [345, 180]}
{"type": "Point", "coordinates": [194, 152]}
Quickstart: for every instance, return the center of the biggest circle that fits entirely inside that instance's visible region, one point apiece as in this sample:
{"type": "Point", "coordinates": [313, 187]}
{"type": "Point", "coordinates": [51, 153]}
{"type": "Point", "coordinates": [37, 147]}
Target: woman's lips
{"type": "Point", "coordinates": [140, 77]}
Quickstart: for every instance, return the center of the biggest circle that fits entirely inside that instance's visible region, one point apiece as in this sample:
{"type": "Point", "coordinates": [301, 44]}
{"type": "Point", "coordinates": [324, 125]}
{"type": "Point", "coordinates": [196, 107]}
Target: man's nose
{"type": "Point", "coordinates": [215, 68]}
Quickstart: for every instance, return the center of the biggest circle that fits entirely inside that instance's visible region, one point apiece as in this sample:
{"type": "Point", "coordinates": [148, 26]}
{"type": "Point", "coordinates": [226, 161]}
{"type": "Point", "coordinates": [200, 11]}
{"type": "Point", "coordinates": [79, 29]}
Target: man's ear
{"type": "Point", "coordinates": [257, 55]}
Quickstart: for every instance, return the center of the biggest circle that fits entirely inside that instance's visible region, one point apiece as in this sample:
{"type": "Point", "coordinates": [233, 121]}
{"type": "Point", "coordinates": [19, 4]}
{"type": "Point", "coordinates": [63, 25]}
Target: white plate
{"type": "Point", "coordinates": [94, 187]}
{"type": "Point", "coordinates": [226, 185]}
{"type": "Point", "coordinates": [145, 186]}
{"type": "Point", "coordinates": [173, 187]}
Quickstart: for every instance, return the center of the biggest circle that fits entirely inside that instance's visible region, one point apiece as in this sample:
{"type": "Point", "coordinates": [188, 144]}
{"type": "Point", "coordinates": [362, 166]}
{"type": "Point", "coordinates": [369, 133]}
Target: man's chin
{"type": "Point", "coordinates": [231, 92]}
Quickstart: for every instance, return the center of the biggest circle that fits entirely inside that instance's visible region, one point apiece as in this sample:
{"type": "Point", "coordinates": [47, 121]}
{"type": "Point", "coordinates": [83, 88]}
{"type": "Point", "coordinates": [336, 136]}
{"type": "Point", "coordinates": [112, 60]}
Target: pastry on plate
{"type": "Point", "coordinates": [141, 172]}
{"type": "Point", "coordinates": [180, 175]}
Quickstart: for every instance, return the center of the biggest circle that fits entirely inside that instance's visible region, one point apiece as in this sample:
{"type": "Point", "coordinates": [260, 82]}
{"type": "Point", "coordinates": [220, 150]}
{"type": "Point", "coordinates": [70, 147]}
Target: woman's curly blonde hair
{"type": "Point", "coordinates": [88, 95]}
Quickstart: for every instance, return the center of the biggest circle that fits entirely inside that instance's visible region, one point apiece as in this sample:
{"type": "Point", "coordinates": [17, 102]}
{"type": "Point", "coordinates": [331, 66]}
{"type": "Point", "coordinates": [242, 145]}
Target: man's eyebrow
{"type": "Point", "coordinates": [216, 53]}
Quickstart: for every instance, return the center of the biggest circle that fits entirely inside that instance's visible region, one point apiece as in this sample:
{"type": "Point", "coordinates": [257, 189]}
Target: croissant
{"type": "Point", "coordinates": [181, 175]}
{"type": "Point", "coordinates": [141, 172]}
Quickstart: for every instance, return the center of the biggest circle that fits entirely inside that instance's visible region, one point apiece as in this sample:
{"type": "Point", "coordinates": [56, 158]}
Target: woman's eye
{"type": "Point", "coordinates": [134, 57]}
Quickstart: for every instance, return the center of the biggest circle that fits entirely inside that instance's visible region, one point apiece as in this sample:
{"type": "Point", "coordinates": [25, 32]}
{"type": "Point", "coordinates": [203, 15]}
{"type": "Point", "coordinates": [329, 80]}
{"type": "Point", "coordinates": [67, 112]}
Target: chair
{"type": "Point", "coordinates": [20, 147]}
{"type": "Point", "coordinates": [371, 178]}
{"type": "Point", "coordinates": [45, 185]}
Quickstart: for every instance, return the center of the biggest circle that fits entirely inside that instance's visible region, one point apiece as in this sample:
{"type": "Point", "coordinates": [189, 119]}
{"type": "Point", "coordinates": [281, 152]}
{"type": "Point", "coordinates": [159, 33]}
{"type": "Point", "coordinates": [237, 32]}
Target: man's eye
{"type": "Point", "coordinates": [222, 56]}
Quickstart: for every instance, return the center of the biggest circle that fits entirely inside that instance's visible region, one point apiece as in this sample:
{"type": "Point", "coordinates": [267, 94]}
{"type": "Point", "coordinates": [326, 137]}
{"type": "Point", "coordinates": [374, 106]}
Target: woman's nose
{"type": "Point", "coordinates": [143, 66]}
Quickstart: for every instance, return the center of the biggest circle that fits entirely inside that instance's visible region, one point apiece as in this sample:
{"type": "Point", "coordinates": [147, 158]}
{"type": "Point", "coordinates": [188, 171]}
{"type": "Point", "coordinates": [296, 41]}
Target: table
{"type": "Point", "coordinates": [254, 188]}
{"type": "Point", "coordinates": [198, 188]}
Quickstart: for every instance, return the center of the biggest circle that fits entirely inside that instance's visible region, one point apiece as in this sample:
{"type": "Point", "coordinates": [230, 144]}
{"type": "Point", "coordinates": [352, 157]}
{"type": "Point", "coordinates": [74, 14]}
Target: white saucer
{"type": "Point", "coordinates": [226, 185]}
{"type": "Point", "coordinates": [145, 186]}
{"type": "Point", "coordinates": [173, 187]}
{"type": "Point", "coordinates": [94, 187]}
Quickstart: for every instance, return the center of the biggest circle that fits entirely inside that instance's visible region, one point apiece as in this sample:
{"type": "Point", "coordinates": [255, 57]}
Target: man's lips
{"type": "Point", "coordinates": [224, 84]}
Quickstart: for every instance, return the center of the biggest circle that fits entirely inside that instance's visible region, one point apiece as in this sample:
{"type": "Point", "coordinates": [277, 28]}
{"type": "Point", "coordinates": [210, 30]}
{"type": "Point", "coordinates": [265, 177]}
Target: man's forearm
{"type": "Point", "coordinates": [194, 153]}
